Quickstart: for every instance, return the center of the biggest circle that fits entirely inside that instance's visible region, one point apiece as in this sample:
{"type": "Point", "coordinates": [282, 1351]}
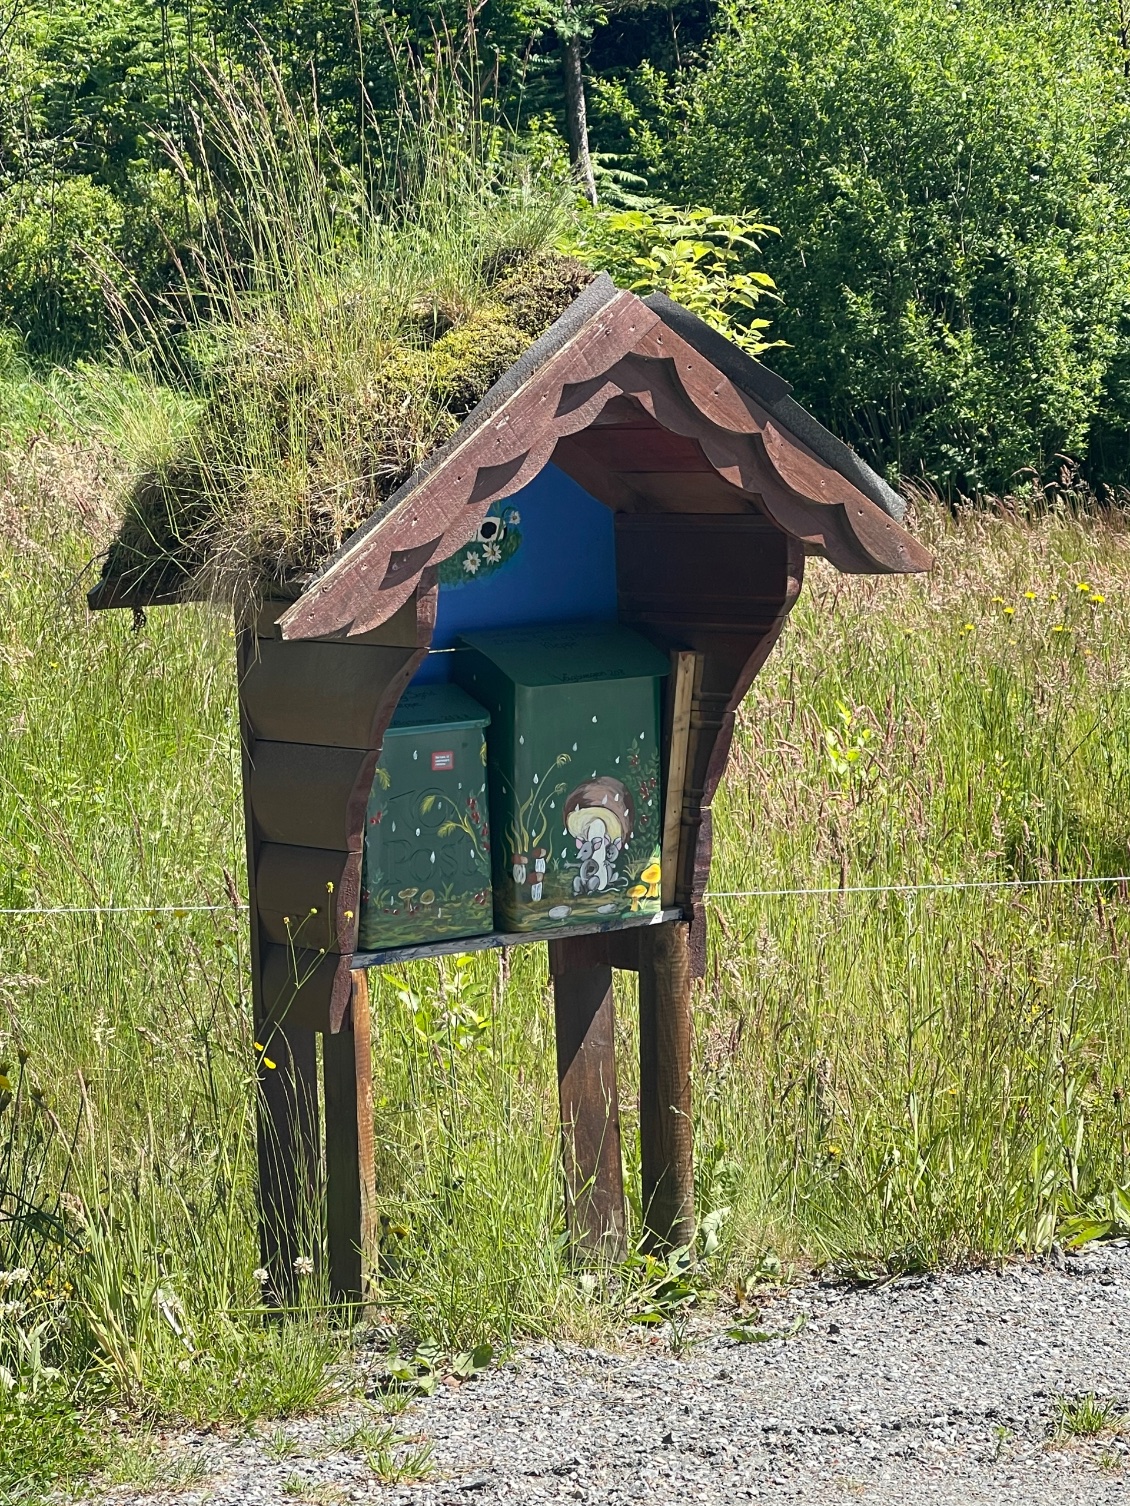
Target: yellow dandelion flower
{"type": "Point", "coordinates": [968, 628]}
{"type": "Point", "coordinates": [998, 601]}
{"type": "Point", "coordinates": [1030, 596]}
{"type": "Point", "coordinates": [1098, 598]}
{"type": "Point", "coordinates": [1083, 585]}
{"type": "Point", "coordinates": [1009, 611]}
{"type": "Point", "coordinates": [329, 886]}
{"type": "Point", "coordinates": [349, 914]}
{"type": "Point", "coordinates": [1059, 628]}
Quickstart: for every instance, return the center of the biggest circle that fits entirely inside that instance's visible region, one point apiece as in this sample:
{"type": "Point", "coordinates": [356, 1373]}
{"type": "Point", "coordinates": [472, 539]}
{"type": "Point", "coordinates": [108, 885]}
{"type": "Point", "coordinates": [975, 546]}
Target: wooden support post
{"type": "Point", "coordinates": [347, 1076]}
{"type": "Point", "coordinates": [666, 1141]}
{"type": "Point", "coordinates": [590, 1107]}
{"type": "Point", "coordinates": [287, 1114]}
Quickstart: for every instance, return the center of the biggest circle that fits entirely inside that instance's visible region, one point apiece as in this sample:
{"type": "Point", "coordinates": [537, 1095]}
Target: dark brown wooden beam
{"type": "Point", "coordinates": [319, 693]}
{"type": "Point", "coordinates": [666, 1138]}
{"type": "Point", "coordinates": [347, 1079]}
{"type": "Point", "coordinates": [290, 1216]}
{"type": "Point", "coordinates": [590, 1107]}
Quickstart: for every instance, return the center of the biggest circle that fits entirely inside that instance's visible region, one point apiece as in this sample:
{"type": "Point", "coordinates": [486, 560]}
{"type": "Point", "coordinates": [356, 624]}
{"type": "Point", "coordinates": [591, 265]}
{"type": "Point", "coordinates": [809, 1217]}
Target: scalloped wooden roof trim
{"type": "Point", "coordinates": [624, 349]}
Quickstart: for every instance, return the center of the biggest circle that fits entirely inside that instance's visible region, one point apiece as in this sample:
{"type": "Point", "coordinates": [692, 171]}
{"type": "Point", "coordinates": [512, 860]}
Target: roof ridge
{"type": "Point", "coordinates": [763, 384]}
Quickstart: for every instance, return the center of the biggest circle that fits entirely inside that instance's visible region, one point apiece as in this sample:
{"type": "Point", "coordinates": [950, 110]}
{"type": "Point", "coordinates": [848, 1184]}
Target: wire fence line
{"type": "Point", "coordinates": [123, 909]}
{"type": "Point", "coordinates": [946, 885]}
{"type": "Point", "coordinates": [938, 887]}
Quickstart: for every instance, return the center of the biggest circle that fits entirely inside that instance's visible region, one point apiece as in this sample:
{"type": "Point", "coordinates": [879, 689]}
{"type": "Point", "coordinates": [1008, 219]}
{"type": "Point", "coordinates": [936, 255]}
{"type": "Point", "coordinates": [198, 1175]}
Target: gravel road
{"type": "Point", "coordinates": [927, 1390]}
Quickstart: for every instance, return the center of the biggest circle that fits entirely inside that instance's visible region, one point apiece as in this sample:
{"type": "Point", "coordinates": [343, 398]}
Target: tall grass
{"type": "Point", "coordinates": [936, 1075]}
{"type": "Point", "coordinates": [336, 324]}
{"type": "Point", "coordinates": [887, 1080]}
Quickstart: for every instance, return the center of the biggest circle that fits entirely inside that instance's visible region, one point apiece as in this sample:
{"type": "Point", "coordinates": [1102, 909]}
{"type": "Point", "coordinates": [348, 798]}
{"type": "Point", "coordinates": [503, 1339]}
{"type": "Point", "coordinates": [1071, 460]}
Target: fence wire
{"type": "Point", "coordinates": [941, 886]}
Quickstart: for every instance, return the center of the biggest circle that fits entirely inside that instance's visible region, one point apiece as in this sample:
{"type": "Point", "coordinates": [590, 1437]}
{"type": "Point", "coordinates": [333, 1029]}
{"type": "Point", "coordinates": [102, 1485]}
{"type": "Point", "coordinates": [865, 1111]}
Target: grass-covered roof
{"type": "Point", "coordinates": [336, 335]}
{"type": "Point", "coordinates": [312, 414]}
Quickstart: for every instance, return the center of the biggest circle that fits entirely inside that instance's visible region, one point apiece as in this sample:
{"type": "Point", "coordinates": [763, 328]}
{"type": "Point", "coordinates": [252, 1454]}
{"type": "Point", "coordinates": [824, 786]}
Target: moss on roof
{"type": "Point", "coordinates": [314, 412]}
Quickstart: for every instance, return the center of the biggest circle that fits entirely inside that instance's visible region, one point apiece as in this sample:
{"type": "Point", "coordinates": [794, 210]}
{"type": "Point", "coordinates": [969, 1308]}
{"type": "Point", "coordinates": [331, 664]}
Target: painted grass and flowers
{"type": "Point", "coordinates": [884, 1081]}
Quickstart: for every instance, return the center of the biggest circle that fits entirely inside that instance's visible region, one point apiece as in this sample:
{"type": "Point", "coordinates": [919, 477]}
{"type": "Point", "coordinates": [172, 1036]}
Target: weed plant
{"type": "Point", "coordinates": [339, 322]}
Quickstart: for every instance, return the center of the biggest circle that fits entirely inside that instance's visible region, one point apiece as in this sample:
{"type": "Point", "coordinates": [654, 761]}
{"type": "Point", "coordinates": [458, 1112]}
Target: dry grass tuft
{"type": "Point", "coordinates": [341, 323]}
{"type": "Point", "coordinates": [314, 417]}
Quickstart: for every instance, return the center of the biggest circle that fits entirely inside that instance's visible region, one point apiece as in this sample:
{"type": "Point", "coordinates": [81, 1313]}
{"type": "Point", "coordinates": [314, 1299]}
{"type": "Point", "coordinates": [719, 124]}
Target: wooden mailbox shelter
{"type": "Point", "coordinates": [710, 485]}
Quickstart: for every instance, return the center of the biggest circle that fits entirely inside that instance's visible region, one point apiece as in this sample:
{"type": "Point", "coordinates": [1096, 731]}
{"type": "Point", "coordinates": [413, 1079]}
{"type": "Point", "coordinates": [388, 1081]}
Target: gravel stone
{"type": "Point", "coordinates": [928, 1391]}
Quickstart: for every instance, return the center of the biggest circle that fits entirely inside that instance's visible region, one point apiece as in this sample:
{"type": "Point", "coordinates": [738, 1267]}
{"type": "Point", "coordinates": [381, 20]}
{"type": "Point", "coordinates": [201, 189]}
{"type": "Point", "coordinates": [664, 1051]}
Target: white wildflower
{"type": "Point", "coordinates": [492, 554]}
{"type": "Point", "coordinates": [303, 1266]}
{"type": "Point", "coordinates": [16, 1277]}
{"type": "Point", "coordinates": [261, 1275]}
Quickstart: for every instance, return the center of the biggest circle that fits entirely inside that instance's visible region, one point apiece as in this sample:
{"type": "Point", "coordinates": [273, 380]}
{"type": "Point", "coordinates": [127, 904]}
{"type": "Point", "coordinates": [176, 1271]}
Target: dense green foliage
{"type": "Point", "coordinates": [952, 186]}
{"type": "Point", "coordinates": [951, 181]}
{"type": "Point", "coordinates": [106, 146]}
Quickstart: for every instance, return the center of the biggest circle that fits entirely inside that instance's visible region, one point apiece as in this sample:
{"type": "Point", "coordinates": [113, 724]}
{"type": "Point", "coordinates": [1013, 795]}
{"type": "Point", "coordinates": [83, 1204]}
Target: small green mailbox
{"type": "Point", "coordinates": [574, 770]}
{"type": "Point", "coordinates": [427, 831]}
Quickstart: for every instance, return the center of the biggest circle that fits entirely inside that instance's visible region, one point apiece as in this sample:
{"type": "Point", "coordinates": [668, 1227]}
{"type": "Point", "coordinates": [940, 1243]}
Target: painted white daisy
{"type": "Point", "coordinates": [471, 564]}
{"type": "Point", "coordinates": [492, 554]}
{"type": "Point", "coordinates": [513, 517]}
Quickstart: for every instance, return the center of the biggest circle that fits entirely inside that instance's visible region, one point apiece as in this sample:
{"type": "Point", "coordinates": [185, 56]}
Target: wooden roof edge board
{"type": "Point", "coordinates": [371, 576]}
{"type": "Point", "coordinates": [774, 392]}
{"type": "Point", "coordinates": [600, 295]}
{"type": "Point", "coordinates": [803, 494]}
{"type": "Point", "coordinates": [451, 496]}
{"type": "Point", "coordinates": [130, 592]}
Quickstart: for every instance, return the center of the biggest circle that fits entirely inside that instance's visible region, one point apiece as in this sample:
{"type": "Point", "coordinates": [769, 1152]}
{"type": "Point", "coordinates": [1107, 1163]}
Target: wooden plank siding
{"type": "Point", "coordinates": [723, 592]}
{"type": "Point", "coordinates": [314, 716]}
{"type": "Point", "coordinates": [327, 694]}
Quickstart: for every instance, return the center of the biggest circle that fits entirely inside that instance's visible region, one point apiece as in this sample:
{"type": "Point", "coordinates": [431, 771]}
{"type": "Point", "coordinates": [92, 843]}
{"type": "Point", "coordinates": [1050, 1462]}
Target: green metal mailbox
{"type": "Point", "coordinates": [427, 830]}
{"type": "Point", "coordinates": [574, 770]}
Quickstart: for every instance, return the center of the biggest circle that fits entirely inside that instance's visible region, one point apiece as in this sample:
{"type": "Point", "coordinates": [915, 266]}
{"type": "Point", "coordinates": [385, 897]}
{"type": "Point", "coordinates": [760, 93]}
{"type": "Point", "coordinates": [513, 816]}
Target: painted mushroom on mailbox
{"type": "Point", "coordinates": [600, 816]}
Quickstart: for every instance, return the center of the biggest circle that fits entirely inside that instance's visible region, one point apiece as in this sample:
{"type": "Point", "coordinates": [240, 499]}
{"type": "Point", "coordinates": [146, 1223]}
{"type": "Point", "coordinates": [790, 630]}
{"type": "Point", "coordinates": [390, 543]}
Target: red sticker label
{"type": "Point", "coordinates": [442, 761]}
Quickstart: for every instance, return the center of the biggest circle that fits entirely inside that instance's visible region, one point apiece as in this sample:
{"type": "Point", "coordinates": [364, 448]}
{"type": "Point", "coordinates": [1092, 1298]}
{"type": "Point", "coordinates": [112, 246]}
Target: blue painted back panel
{"type": "Point", "coordinates": [556, 562]}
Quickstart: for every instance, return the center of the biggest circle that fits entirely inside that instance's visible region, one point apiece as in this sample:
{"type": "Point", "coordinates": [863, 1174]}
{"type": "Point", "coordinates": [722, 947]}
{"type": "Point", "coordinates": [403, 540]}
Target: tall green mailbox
{"type": "Point", "coordinates": [574, 770]}
{"type": "Point", "coordinates": [426, 873]}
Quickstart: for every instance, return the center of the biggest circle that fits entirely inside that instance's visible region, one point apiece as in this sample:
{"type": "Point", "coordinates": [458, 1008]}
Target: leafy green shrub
{"type": "Point", "coordinates": [698, 258]}
{"type": "Point", "coordinates": [951, 189]}
{"type": "Point", "coordinates": [55, 260]}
